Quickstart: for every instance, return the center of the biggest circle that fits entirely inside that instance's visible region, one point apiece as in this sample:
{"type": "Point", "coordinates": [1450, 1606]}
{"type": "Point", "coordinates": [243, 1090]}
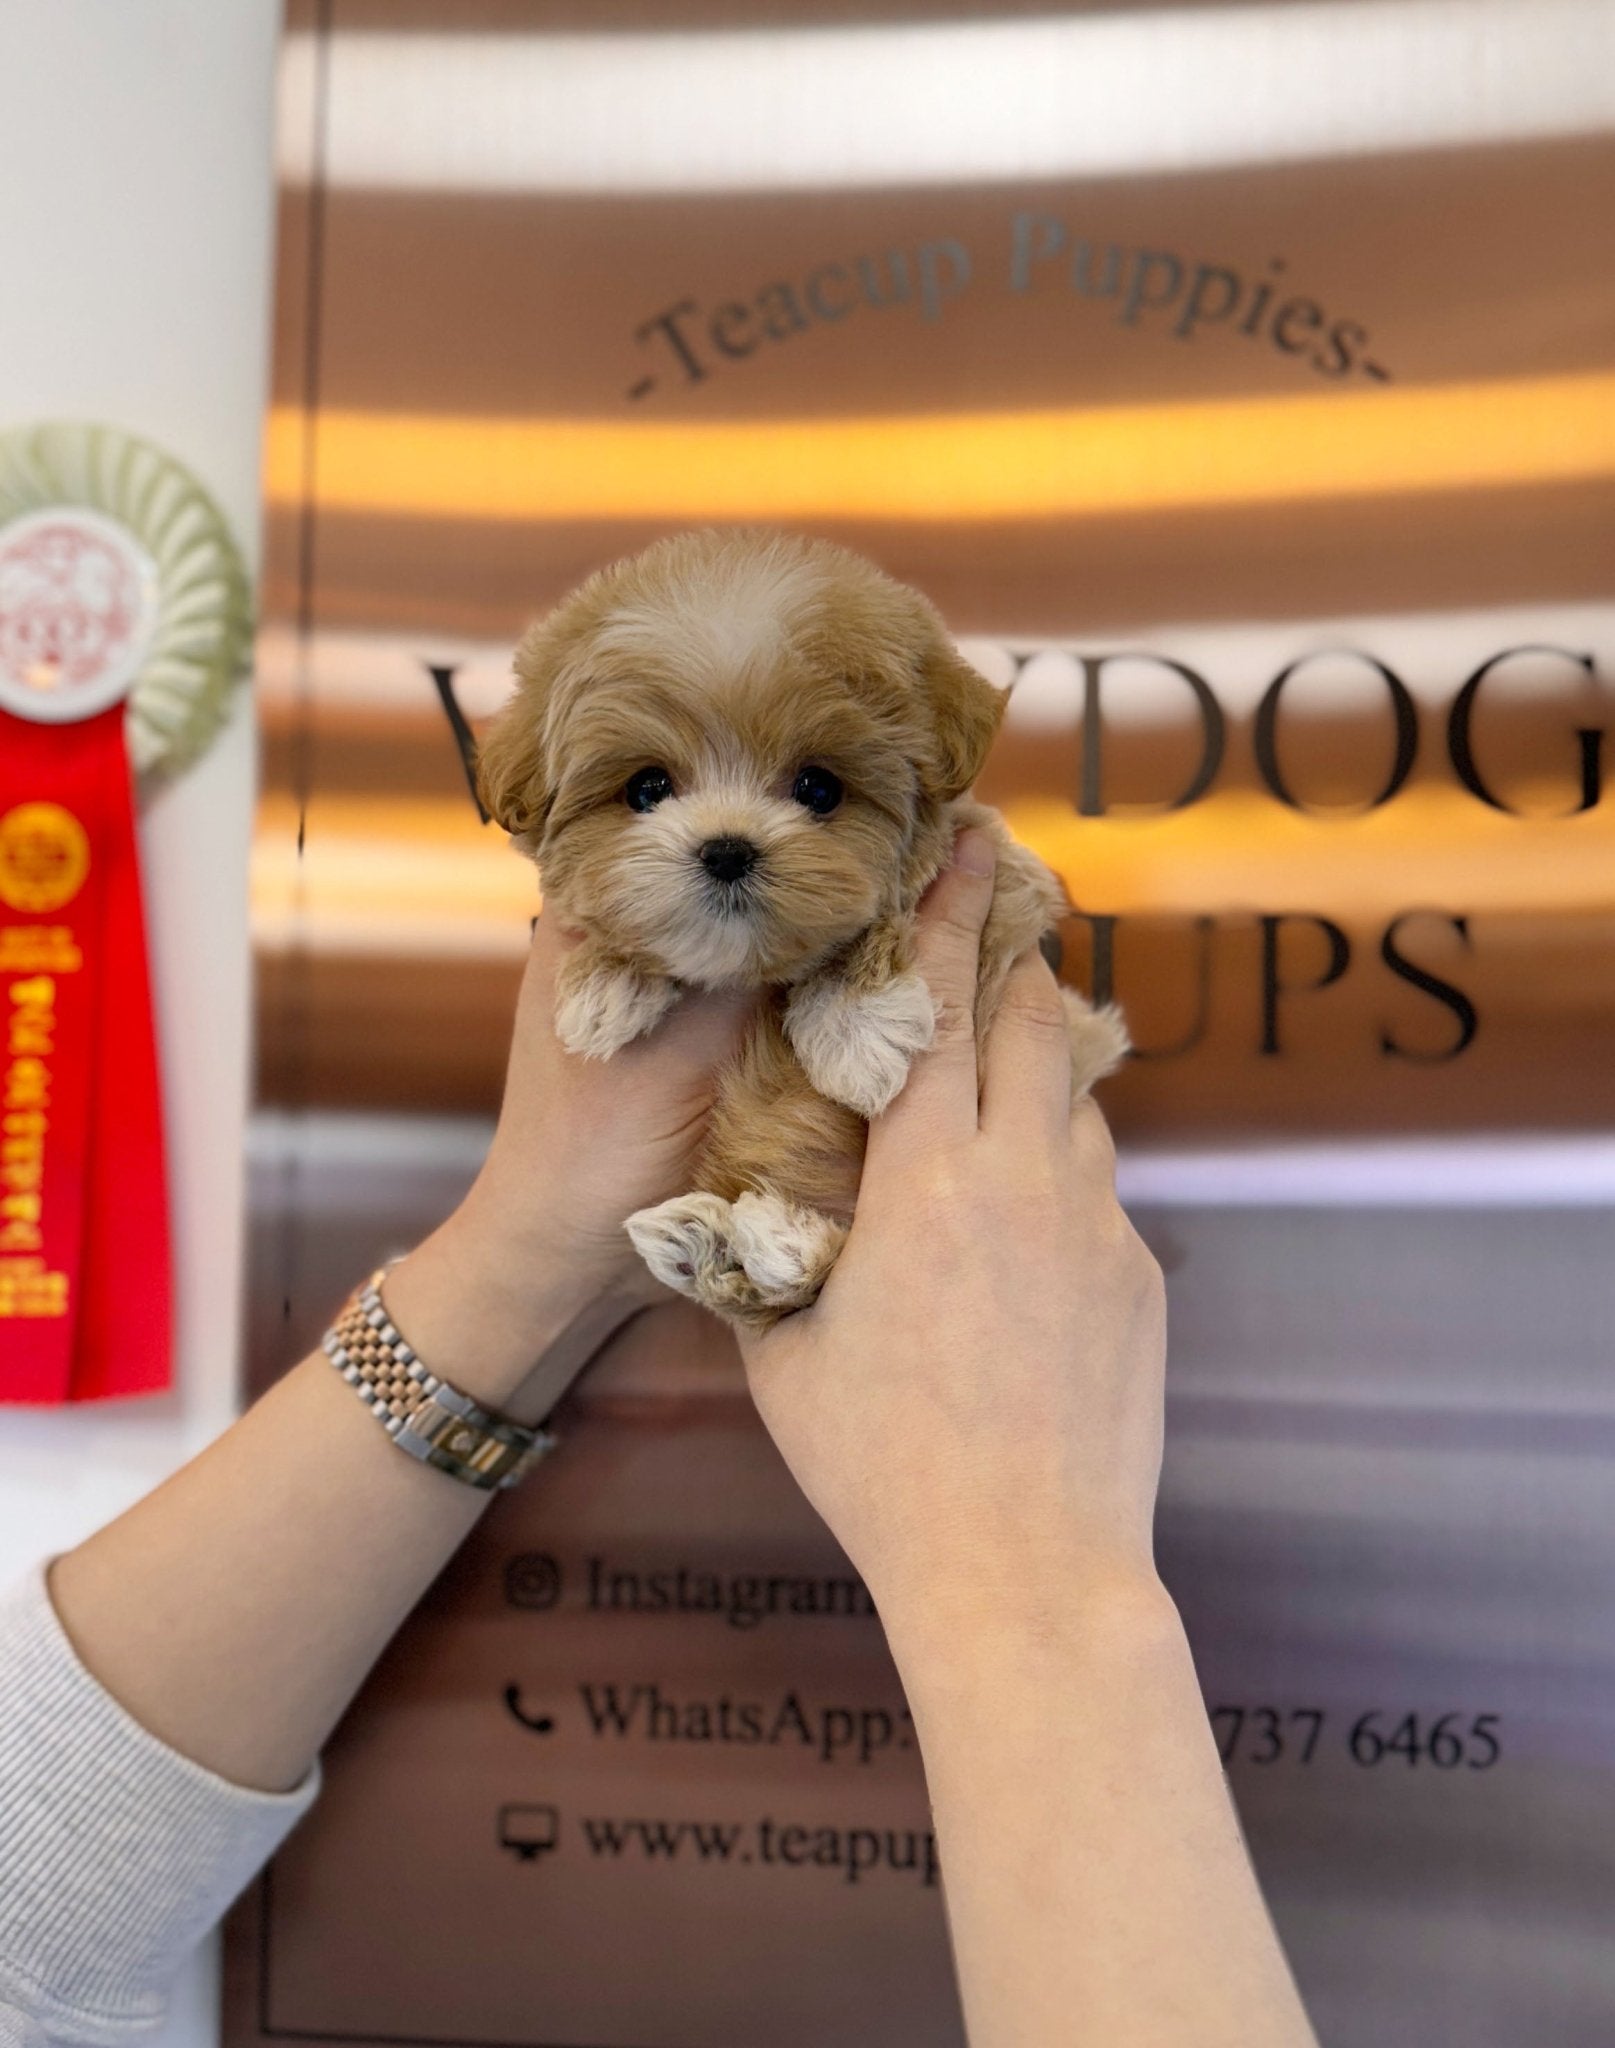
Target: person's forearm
{"type": "Point", "coordinates": [1097, 1885]}
{"type": "Point", "coordinates": [235, 1611]}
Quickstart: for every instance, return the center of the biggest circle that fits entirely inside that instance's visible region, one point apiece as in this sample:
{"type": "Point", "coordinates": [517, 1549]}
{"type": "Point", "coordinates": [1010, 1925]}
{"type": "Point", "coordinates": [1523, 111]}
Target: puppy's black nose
{"type": "Point", "coordinates": [727, 860]}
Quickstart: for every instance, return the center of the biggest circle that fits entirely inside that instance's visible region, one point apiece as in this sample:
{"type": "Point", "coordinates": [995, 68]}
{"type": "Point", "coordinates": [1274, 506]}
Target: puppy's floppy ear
{"type": "Point", "coordinates": [513, 775]}
{"type": "Point", "coordinates": [510, 773]}
{"type": "Point", "coordinates": [966, 711]}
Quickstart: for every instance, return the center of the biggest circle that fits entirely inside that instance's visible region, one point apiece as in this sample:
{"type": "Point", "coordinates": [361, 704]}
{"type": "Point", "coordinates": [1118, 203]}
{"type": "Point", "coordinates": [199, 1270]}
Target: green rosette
{"type": "Point", "coordinates": [201, 646]}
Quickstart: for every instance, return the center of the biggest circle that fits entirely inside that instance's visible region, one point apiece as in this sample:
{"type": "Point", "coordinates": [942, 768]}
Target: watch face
{"type": "Point", "coordinates": [78, 613]}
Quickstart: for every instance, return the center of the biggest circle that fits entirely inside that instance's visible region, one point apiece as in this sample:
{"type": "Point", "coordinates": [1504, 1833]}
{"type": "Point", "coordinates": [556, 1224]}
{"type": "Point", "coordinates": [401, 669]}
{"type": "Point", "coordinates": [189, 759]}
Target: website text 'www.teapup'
{"type": "Point", "coordinates": [853, 1853]}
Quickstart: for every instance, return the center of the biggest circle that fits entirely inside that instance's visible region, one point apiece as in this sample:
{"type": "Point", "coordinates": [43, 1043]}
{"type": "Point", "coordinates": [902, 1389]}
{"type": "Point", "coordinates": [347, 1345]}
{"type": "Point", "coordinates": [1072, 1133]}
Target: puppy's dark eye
{"type": "Point", "coordinates": [647, 789]}
{"type": "Point", "coordinates": [817, 790]}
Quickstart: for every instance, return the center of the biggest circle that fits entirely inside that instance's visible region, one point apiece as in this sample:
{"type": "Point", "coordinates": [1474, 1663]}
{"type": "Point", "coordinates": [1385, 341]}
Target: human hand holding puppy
{"type": "Point", "coordinates": [538, 1238]}
{"type": "Point", "coordinates": [974, 1404]}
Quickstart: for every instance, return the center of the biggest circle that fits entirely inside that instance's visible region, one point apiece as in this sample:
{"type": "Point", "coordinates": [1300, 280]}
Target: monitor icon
{"type": "Point", "coordinates": [528, 1832]}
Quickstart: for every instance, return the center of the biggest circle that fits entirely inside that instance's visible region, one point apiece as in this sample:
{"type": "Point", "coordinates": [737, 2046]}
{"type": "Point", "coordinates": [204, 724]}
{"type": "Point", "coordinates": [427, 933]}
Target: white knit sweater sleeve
{"type": "Point", "coordinates": [116, 1854]}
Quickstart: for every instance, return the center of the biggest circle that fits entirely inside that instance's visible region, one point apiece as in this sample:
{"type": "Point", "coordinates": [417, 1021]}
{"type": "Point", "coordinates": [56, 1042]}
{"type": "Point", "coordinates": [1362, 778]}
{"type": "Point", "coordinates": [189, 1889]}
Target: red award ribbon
{"type": "Point", "coordinates": [85, 1308]}
{"type": "Point", "coordinates": [85, 1288]}
{"type": "Point", "coordinates": [125, 623]}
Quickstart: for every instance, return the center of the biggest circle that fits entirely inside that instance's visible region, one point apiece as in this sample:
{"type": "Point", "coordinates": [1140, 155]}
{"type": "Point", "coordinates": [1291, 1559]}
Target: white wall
{"type": "Point", "coordinates": [135, 245]}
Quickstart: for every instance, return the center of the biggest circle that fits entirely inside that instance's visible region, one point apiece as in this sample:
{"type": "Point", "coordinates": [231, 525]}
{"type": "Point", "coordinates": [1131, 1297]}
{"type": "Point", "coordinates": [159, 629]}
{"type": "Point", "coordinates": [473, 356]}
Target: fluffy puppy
{"type": "Point", "coordinates": [739, 758]}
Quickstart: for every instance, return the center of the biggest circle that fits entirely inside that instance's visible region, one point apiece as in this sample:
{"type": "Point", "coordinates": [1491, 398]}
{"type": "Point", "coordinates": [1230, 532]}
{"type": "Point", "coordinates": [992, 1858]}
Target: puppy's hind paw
{"type": "Point", "coordinates": [685, 1243]}
{"type": "Point", "coordinates": [855, 1045]}
{"type": "Point", "coordinates": [750, 1262]}
{"type": "Point", "coordinates": [786, 1250]}
{"type": "Point", "coordinates": [606, 1008]}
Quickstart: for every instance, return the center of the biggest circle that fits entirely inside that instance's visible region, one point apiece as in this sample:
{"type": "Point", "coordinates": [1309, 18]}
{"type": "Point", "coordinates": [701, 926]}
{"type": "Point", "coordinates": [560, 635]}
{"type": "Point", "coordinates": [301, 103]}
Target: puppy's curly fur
{"type": "Point", "coordinates": [740, 758]}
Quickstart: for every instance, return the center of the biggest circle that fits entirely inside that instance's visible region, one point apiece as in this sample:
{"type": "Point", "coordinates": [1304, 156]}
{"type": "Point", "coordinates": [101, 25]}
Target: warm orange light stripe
{"type": "Point", "coordinates": [401, 876]}
{"type": "Point", "coordinates": [966, 466]}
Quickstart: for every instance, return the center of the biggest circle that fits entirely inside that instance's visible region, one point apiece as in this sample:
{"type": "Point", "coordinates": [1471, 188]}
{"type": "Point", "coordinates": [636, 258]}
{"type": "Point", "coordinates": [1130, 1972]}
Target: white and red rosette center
{"type": "Point", "coordinates": [79, 610]}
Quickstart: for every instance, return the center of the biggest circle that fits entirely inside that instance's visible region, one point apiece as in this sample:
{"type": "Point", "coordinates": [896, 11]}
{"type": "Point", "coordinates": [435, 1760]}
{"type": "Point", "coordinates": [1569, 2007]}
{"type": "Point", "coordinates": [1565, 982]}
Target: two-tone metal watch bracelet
{"type": "Point", "coordinates": [423, 1414]}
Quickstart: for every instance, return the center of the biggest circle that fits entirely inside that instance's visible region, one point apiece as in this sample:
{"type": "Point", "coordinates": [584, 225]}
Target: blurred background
{"type": "Point", "coordinates": [1246, 339]}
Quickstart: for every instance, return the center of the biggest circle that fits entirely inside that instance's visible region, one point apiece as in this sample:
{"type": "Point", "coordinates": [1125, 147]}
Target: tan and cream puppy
{"type": "Point", "coordinates": [739, 758]}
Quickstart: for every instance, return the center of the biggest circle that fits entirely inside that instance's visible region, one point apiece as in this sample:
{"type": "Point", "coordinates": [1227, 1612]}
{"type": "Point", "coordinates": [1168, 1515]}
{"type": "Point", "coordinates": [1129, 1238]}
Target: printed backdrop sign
{"type": "Point", "coordinates": [689, 1745]}
{"type": "Point", "coordinates": [1254, 426]}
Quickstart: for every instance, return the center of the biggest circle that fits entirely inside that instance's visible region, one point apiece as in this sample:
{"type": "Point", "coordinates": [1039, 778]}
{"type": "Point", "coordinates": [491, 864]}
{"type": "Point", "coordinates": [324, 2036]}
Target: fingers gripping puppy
{"type": "Point", "coordinates": [739, 759]}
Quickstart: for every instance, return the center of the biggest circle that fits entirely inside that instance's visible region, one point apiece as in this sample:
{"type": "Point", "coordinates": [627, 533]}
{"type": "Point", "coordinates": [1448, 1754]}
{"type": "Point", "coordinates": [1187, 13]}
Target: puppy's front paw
{"type": "Point", "coordinates": [855, 1045]}
{"type": "Point", "coordinates": [685, 1243]}
{"type": "Point", "coordinates": [603, 1008]}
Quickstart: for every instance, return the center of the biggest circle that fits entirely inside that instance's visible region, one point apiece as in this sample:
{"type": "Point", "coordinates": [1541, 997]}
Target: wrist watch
{"type": "Point", "coordinates": [422, 1413]}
